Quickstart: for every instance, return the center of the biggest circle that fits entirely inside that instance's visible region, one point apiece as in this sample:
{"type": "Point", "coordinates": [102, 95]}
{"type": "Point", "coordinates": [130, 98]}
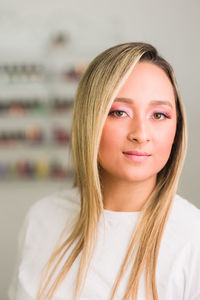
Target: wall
{"type": "Point", "coordinates": [172, 26]}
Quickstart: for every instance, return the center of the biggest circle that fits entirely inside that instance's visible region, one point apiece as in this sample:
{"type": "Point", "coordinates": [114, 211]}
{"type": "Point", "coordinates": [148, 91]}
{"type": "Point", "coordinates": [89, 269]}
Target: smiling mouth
{"type": "Point", "coordinates": [136, 156]}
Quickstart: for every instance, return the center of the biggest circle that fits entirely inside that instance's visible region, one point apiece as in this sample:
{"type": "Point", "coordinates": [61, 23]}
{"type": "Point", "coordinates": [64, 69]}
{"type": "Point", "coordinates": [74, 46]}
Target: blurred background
{"type": "Point", "coordinates": [44, 48]}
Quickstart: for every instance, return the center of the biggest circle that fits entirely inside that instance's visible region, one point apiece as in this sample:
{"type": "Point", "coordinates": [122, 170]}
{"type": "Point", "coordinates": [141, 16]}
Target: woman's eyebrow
{"type": "Point", "coordinates": [153, 102]}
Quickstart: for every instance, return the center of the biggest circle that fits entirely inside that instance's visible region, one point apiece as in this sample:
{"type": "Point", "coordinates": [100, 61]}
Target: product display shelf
{"type": "Point", "coordinates": [35, 121]}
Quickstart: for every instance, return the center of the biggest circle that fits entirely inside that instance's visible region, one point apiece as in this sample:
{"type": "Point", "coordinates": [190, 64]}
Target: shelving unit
{"type": "Point", "coordinates": [36, 100]}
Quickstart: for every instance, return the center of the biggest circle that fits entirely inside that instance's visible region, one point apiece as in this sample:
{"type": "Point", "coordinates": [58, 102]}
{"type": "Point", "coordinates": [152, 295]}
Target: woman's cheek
{"type": "Point", "coordinates": [167, 139]}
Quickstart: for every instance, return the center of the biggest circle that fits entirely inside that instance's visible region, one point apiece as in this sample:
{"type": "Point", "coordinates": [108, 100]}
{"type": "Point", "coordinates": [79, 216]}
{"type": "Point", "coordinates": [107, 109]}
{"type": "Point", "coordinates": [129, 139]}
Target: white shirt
{"type": "Point", "coordinates": [178, 268]}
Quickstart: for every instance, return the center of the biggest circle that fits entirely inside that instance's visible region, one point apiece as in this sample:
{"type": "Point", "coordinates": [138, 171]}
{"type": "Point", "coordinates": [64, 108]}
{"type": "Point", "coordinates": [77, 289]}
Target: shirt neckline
{"type": "Point", "coordinates": [115, 213]}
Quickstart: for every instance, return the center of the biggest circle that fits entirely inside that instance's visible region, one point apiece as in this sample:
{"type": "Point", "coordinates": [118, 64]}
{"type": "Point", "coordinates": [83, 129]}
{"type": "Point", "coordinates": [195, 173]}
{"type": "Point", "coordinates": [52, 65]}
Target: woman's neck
{"type": "Point", "coordinates": [119, 195]}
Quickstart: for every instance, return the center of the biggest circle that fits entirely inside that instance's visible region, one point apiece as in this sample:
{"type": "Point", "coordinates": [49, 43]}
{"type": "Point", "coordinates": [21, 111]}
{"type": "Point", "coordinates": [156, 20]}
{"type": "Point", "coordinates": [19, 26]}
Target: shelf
{"type": "Point", "coordinates": [34, 104]}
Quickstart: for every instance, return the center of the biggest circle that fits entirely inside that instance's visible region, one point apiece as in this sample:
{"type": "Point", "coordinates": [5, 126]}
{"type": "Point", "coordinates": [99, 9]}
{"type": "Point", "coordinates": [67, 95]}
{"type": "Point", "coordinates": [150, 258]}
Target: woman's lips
{"type": "Point", "coordinates": [137, 156]}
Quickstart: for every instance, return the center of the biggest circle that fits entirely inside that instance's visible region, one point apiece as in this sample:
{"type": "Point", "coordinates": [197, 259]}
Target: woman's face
{"type": "Point", "coordinates": [139, 131]}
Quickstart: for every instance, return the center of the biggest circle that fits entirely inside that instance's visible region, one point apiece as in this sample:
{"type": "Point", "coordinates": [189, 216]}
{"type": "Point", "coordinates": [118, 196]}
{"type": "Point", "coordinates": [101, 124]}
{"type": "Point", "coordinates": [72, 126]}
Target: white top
{"type": "Point", "coordinates": [178, 268]}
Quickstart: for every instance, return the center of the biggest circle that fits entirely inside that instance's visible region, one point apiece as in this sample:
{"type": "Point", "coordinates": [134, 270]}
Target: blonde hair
{"type": "Point", "coordinates": [95, 94]}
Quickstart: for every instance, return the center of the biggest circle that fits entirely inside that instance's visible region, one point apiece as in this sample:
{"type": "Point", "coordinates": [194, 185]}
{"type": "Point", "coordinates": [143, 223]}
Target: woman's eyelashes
{"type": "Point", "coordinates": [161, 116]}
{"type": "Point", "coordinates": [156, 115]}
{"type": "Point", "coordinates": [118, 113]}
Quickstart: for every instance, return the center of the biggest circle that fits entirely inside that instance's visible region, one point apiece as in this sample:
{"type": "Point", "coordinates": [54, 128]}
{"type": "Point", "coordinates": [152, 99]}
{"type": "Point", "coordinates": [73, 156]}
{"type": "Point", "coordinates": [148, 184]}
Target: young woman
{"type": "Point", "coordinates": [122, 232]}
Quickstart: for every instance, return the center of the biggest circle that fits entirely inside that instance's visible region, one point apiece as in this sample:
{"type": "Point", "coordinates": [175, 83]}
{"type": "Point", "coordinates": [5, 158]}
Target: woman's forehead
{"type": "Point", "coordinates": [147, 81]}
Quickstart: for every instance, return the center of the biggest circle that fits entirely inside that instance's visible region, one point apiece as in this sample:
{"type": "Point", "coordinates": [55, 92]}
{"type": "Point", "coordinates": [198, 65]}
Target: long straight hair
{"type": "Point", "coordinates": [96, 91]}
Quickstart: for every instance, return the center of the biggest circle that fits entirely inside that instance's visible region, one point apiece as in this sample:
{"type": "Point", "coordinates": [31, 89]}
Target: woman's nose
{"type": "Point", "coordinates": [139, 131]}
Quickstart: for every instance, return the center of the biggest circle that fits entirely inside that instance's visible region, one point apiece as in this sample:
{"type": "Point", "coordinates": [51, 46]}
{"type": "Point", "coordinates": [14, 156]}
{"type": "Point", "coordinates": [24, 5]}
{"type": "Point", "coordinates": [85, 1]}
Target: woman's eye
{"type": "Point", "coordinates": [159, 116]}
{"type": "Point", "coordinates": [118, 113]}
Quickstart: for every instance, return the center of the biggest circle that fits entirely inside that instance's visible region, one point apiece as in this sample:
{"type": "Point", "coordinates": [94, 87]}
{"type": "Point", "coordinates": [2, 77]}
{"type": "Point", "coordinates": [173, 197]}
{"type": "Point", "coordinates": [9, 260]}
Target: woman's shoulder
{"type": "Point", "coordinates": [42, 227]}
{"type": "Point", "coordinates": [48, 216]}
{"type": "Point", "coordinates": [185, 209]}
{"type": "Point", "coordinates": [68, 198]}
{"type": "Point", "coordinates": [184, 219]}
{"type": "Point", "coordinates": [179, 255]}
{"type": "Point", "coordinates": [59, 204]}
